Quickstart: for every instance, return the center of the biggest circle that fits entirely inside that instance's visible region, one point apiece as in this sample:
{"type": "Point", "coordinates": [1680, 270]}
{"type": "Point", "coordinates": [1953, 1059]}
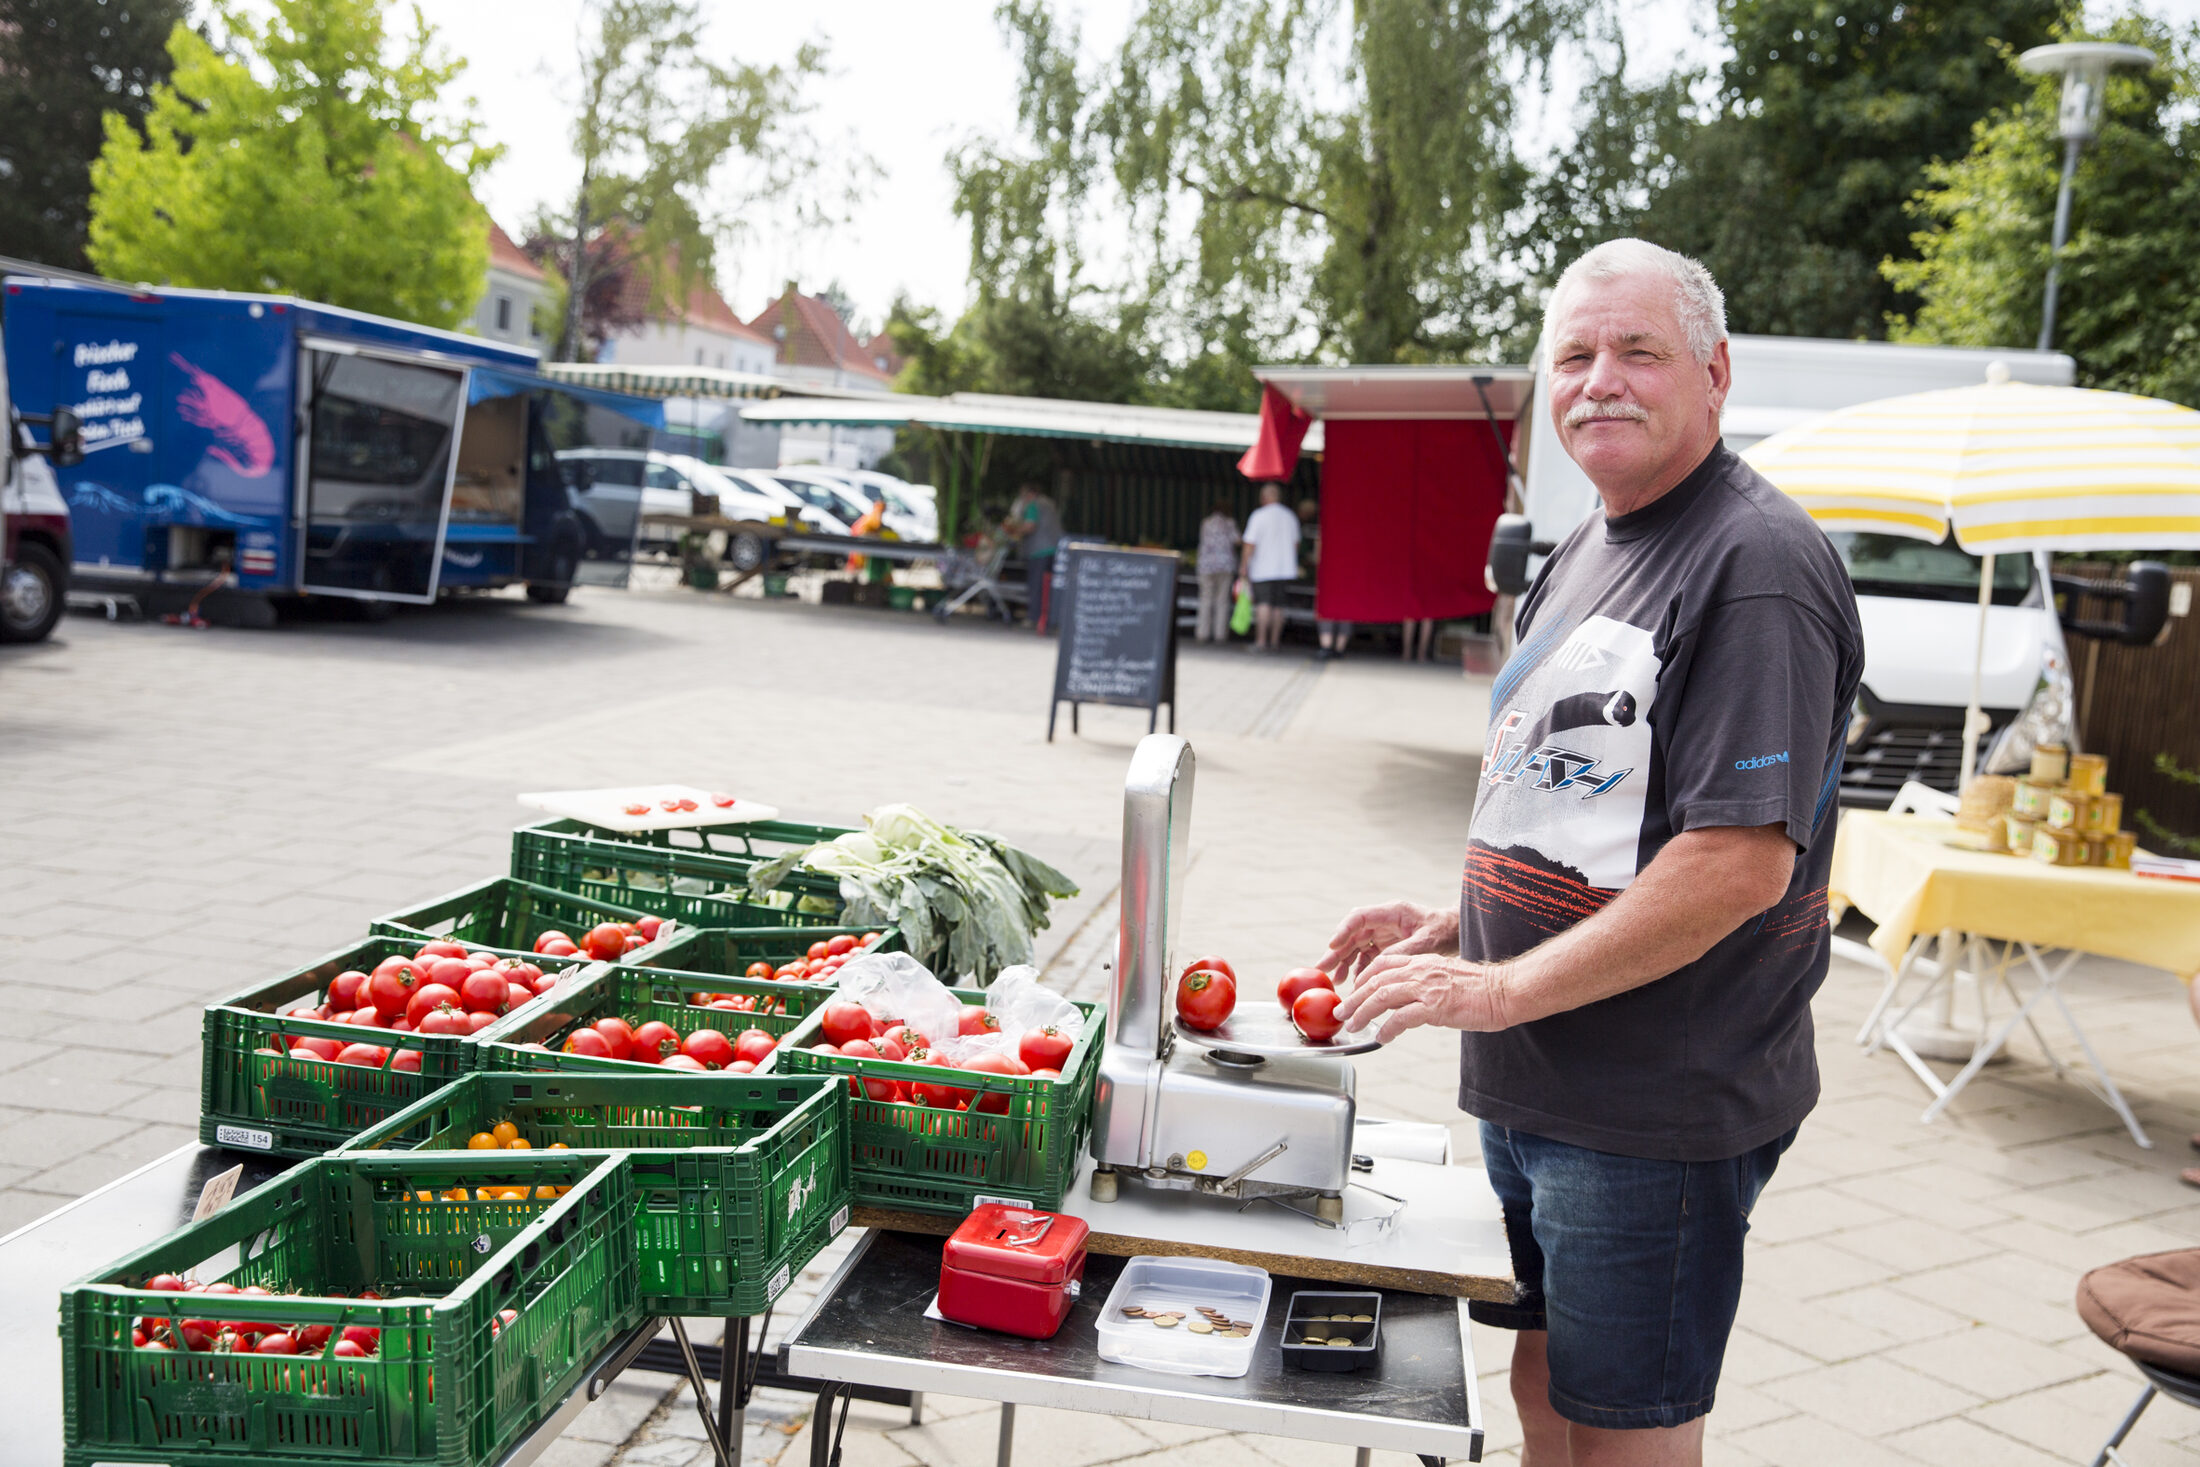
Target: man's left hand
{"type": "Point", "coordinates": [1400, 991]}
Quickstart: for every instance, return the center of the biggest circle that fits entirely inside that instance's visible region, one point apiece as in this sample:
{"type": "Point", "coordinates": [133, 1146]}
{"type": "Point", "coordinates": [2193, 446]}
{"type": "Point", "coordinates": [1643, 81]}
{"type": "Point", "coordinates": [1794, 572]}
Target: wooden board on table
{"type": "Point", "coordinates": [607, 809]}
{"type": "Point", "coordinates": [1448, 1239]}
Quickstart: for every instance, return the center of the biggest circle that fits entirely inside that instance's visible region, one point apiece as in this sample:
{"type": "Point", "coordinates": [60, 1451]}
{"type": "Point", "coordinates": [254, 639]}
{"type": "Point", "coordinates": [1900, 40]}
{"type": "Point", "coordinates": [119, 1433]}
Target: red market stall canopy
{"type": "Point", "coordinates": [1414, 474]}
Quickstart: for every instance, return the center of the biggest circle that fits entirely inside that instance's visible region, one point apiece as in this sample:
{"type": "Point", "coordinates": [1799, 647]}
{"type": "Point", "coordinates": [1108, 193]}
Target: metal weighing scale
{"type": "Point", "coordinates": [1249, 1111]}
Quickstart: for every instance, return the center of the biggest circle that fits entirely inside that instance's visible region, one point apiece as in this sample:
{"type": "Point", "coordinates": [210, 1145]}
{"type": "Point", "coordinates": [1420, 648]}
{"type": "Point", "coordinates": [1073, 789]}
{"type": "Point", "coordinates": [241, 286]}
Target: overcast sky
{"type": "Point", "coordinates": [909, 82]}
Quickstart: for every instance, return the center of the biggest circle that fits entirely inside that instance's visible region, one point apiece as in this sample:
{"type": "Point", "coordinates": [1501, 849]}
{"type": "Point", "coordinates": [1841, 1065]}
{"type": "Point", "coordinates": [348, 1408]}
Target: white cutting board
{"type": "Point", "coordinates": [608, 808]}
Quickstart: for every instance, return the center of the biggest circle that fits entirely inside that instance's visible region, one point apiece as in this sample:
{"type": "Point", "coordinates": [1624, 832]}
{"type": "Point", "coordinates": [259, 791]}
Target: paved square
{"type": "Point", "coordinates": [186, 813]}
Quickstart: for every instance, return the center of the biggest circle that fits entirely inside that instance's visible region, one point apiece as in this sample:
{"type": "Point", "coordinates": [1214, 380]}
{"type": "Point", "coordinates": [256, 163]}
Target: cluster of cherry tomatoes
{"type": "Point", "coordinates": [819, 964]}
{"type": "Point", "coordinates": [603, 942]}
{"type": "Point", "coordinates": [444, 988]}
{"type": "Point", "coordinates": [243, 1337]}
{"type": "Point", "coordinates": [851, 1032]}
{"type": "Point", "coordinates": [1206, 995]}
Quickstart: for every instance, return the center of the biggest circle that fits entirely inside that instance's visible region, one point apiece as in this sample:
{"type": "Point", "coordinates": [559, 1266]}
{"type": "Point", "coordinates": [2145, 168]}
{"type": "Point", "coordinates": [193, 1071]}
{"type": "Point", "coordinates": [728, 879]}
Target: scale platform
{"type": "Point", "coordinates": [1265, 1030]}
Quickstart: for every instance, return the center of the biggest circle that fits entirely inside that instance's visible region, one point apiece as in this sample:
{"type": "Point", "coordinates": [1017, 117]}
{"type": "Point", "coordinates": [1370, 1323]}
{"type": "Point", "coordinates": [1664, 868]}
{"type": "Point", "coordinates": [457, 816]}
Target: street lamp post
{"type": "Point", "coordinates": [2084, 67]}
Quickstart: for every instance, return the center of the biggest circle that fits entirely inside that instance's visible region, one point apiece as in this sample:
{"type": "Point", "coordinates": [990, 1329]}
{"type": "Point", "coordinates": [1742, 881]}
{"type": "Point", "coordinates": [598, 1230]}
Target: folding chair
{"type": "Point", "coordinates": [2147, 1309]}
{"type": "Point", "coordinates": [969, 578]}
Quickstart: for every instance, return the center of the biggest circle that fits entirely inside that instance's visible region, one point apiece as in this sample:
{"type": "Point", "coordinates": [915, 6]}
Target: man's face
{"type": "Point", "coordinates": [1632, 405]}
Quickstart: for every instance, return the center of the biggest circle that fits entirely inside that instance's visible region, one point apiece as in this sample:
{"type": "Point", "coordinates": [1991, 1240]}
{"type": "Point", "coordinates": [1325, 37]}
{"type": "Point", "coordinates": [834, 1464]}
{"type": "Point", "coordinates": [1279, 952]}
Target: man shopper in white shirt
{"type": "Point", "coordinates": [1270, 562]}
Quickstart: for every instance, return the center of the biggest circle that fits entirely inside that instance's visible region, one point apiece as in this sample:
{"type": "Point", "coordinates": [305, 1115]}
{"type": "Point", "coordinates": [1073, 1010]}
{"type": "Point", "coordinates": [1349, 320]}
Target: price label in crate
{"type": "Point", "coordinates": [215, 1195]}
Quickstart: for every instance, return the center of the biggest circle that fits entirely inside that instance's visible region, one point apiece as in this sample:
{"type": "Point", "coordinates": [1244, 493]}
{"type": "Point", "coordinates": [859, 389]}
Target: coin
{"type": "Point", "coordinates": [1315, 1336]}
{"type": "Point", "coordinates": [1201, 1327]}
{"type": "Point", "coordinates": [1340, 1319]}
{"type": "Point", "coordinates": [1133, 1311]}
{"type": "Point", "coordinates": [1164, 1321]}
{"type": "Point", "coordinates": [1313, 1340]}
{"type": "Point", "coordinates": [1363, 1319]}
{"type": "Point", "coordinates": [1340, 1340]}
{"type": "Point", "coordinates": [1236, 1333]}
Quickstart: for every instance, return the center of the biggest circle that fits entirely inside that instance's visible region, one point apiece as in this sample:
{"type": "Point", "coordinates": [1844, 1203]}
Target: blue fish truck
{"type": "Point", "coordinates": [258, 448]}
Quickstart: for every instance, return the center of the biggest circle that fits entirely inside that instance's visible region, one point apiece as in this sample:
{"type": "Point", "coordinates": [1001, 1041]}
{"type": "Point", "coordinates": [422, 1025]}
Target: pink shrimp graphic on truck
{"type": "Point", "coordinates": [241, 440]}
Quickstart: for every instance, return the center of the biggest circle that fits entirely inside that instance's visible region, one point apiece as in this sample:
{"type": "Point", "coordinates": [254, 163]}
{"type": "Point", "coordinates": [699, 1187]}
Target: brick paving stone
{"type": "Point", "coordinates": [1991, 1363]}
{"type": "Point", "coordinates": [1789, 1214]}
{"type": "Point", "coordinates": [1809, 1441]}
{"type": "Point", "coordinates": [1872, 1396]}
{"type": "Point", "coordinates": [1812, 1268]}
{"type": "Point", "coordinates": [1961, 1442]}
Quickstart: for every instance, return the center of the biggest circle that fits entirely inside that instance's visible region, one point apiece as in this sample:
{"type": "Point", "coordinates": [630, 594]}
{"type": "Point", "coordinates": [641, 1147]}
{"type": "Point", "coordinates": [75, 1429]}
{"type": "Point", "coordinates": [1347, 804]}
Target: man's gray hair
{"type": "Point", "coordinates": [1697, 299]}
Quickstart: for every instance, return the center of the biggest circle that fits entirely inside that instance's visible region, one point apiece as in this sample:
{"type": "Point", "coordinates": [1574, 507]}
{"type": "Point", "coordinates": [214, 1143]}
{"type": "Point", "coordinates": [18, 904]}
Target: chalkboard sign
{"type": "Point", "coordinates": [1118, 632]}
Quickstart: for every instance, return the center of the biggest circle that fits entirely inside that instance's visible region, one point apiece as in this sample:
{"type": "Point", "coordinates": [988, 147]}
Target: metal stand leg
{"type": "Point", "coordinates": [702, 1392]}
{"type": "Point", "coordinates": [733, 1388]}
{"type": "Point", "coordinates": [824, 1441]}
{"type": "Point", "coordinates": [2131, 1419]}
{"type": "Point", "coordinates": [1363, 1457]}
{"type": "Point", "coordinates": [916, 1408]}
{"type": "Point", "coordinates": [1008, 1435]}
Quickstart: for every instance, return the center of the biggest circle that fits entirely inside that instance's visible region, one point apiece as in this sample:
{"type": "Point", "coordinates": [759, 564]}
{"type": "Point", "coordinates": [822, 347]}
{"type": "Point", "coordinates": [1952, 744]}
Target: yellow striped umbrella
{"type": "Point", "coordinates": [2009, 466]}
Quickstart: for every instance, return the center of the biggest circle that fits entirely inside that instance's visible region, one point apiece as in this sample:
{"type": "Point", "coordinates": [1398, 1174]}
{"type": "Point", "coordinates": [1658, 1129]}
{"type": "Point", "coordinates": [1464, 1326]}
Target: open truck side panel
{"type": "Point", "coordinates": [298, 449]}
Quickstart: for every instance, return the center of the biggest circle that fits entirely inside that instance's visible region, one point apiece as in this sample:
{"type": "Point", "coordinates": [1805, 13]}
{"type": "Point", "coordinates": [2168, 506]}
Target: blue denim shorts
{"type": "Point", "coordinates": [1634, 1266]}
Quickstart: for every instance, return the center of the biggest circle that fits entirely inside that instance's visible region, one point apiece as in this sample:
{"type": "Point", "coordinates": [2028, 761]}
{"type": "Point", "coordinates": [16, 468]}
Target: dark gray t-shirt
{"type": "Point", "coordinates": [1691, 664]}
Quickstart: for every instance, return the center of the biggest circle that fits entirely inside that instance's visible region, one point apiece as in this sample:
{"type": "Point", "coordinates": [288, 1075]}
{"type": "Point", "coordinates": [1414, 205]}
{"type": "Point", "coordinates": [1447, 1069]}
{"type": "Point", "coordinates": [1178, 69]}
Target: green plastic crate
{"type": "Point", "coordinates": [302, 1107]}
{"type": "Point", "coordinates": [739, 1180]}
{"type": "Point", "coordinates": [447, 1385]}
{"type": "Point", "coordinates": [729, 950]}
{"type": "Point", "coordinates": [636, 995]}
{"type": "Point", "coordinates": [504, 913]}
{"type": "Point", "coordinates": [698, 877]}
{"type": "Point", "coordinates": [914, 1159]}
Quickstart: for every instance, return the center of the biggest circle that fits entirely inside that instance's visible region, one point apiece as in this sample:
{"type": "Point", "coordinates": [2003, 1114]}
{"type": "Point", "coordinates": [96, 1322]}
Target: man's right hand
{"type": "Point", "coordinates": [1400, 927]}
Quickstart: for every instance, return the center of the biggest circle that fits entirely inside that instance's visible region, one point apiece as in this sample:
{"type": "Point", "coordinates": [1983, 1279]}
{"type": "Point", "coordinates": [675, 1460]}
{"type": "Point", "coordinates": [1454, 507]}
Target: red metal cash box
{"type": "Point", "coordinates": [1013, 1269]}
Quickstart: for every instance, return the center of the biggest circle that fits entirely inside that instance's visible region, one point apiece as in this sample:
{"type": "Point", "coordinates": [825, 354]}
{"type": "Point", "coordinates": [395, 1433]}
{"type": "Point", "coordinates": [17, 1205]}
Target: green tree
{"type": "Point", "coordinates": [2128, 311]}
{"type": "Point", "coordinates": [1308, 177]}
{"type": "Point", "coordinates": [62, 64]}
{"type": "Point", "coordinates": [305, 161]}
{"type": "Point", "coordinates": [657, 121]}
{"type": "Point", "coordinates": [1826, 119]}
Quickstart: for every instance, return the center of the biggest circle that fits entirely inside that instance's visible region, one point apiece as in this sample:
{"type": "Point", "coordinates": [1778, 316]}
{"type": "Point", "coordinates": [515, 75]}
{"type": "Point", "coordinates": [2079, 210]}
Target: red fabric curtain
{"type": "Point", "coordinates": [1275, 454]}
{"type": "Point", "coordinates": [1407, 510]}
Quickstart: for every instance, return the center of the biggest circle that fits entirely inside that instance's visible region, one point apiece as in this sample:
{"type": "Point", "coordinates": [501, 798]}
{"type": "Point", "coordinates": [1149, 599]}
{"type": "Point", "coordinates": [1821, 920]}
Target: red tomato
{"type": "Point", "coordinates": [348, 1349]}
{"type": "Point", "coordinates": [649, 927]}
{"type": "Point", "coordinates": [588, 1042]}
{"type": "Point", "coordinates": [440, 948]}
{"type": "Point", "coordinates": [1204, 998]}
{"type": "Point", "coordinates": [165, 1283]}
{"type": "Point", "coordinates": [618, 1034]}
{"type": "Point", "coordinates": [370, 1055]}
{"type": "Point", "coordinates": [678, 1062]}
{"type": "Point", "coordinates": [488, 960]}
{"type": "Point", "coordinates": [343, 989]}
{"type": "Point", "coordinates": [515, 994]}
{"type": "Point", "coordinates": [723, 802]}
{"type": "Point", "coordinates": [819, 951]}
{"type": "Point", "coordinates": [427, 998]}
{"type": "Point", "coordinates": [326, 1049]}
{"type": "Point", "coordinates": [709, 1048]}
{"type": "Point", "coordinates": [475, 1023]}
{"type": "Point", "coordinates": [835, 946]}
{"type": "Point", "coordinates": [277, 1344]}
{"type": "Point", "coordinates": [1046, 1048]}
{"type": "Point", "coordinates": [633, 941]}
{"type": "Point", "coordinates": [862, 1049]}
{"type": "Point", "coordinates": [939, 1095]}
{"type": "Point", "coordinates": [390, 987]}
{"type": "Point", "coordinates": [996, 1103]}
{"type": "Point", "coordinates": [844, 1021]}
{"type": "Point", "coordinates": [888, 1049]}
{"type": "Point", "coordinates": [450, 972]}
{"type": "Point", "coordinates": [605, 940]}
{"type": "Point", "coordinates": [488, 991]}
{"type": "Point", "coordinates": [637, 809]}
{"type": "Point", "coordinates": [754, 1045]}
{"type": "Point", "coordinates": [741, 1067]}
{"type": "Point", "coordinates": [402, 1026]}
{"type": "Point", "coordinates": [1212, 965]}
{"type": "Point", "coordinates": [542, 943]}
{"type": "Point", "coordinates": [365, 1336]}
{"type": "Point", "coordinates": [1315, 1012]}
{"type": "Point", "coordinates": [1298, 981]}
{"type": "Point", "coordinates": [1042, 1073]}
{"type": "Point", "coordinates": [906, 1037]}
{"type": "Point", "coordinates": [543, 982]}
{"type": "Point", "coordinates": [655, 1040]}
{"type": "Point", "coordinates": [669, 806]}
{"type": "Point", "coordinates": [369, 1017]}
{"type": "Point", "coordinates": [446, 1019]}
{"type": "Point", "coordinates": [975, 1020]}
{"type": "Point", "coordinates": [758, 970]}
{"type": "Point", "coordinates": [560, 948]}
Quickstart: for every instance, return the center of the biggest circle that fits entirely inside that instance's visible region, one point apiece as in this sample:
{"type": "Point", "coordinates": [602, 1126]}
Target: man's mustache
{"type": "Point", "coordinates": [1589, 412]}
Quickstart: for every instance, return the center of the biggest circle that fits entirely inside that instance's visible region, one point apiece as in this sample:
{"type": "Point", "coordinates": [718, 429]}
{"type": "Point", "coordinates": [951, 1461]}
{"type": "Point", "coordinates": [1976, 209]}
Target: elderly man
{"type": "Point", "coordinates": [1642, 921]}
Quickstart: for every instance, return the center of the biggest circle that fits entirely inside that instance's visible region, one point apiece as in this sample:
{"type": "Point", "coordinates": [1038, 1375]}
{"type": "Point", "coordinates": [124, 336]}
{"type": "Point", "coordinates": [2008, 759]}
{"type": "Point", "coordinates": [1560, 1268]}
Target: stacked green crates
{"type": "Point", "coordinates": [739, 1180]}
{"type": "Point", "coordinates": [504, 913]}
{"type": "Point", "coordinates": [638, 995]}
{"type": "Point", "coordinates": [692, 876]}
{"type": "Point", "coordinates": [911, 1158]}
{"type": "Point", "coordinates": [302, 1107]}
{"type": "Point", "coordinates": [452, 1381]}
{"type": "Point", "coordinates": [730, 950]}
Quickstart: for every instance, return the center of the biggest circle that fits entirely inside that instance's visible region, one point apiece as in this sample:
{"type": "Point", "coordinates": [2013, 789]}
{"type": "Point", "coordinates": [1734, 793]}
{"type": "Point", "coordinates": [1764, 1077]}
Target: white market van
{"type": "Point", "coordinates": [1918, 602]}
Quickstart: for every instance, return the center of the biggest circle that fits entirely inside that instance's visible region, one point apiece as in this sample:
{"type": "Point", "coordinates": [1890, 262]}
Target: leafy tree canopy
{"type": "Point", "coordinates": [2127, 310]}
{"type": "Point", "coordinates": [305, 160]}
{"type": "Point", "coordinates": [62, 64]}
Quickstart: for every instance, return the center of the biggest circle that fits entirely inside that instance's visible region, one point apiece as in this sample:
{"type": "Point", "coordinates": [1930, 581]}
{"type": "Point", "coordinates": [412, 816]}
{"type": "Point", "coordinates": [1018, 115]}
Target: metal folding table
{"type": "Point", "coordinates": [867, 1329]}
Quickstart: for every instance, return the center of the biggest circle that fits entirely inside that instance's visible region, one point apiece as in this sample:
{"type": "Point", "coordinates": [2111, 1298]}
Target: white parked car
{"type": "Point", "coordinates": [820, 490]}
{"type": "Point", "coordinates": [912, 510]}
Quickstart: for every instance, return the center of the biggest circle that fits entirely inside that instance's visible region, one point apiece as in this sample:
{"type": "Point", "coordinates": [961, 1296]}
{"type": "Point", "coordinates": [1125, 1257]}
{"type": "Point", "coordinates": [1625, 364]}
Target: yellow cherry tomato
{"type": "Point", "coordinates": [505, 1131]}
{"type": "Point", "coordinates": [558, 1146]}
{"type": "Point", "coordinates": [456, 1194]}
{"type": "Point", "coordinates": [481, 1141]}
{"type": "Point", "coordinates": [519, 1143]}
{"type": "Point", "coordinates": [545, 1192]}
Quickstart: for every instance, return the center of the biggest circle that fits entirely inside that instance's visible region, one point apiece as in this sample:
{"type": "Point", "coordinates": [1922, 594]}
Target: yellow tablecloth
{"type": "Point", "coordinates": [1901, 871]}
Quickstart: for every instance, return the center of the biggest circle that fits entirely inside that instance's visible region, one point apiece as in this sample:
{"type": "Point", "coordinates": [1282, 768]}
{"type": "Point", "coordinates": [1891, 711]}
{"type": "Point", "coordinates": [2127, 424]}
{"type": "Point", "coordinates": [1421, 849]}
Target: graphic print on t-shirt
{"type": "Point", "coordinates": [1561, 802]}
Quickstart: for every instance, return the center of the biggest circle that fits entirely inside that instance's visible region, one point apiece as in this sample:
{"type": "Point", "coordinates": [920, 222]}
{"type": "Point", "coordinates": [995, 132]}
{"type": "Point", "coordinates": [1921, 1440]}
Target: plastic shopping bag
{"type": "Point", "coordinates": [1241, 615]}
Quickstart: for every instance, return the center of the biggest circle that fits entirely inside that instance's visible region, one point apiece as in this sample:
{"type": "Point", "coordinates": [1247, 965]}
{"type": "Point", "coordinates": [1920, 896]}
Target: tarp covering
{"type": "Point", "coordinates": [1275, 454]}
{"type": "Point", "coordinates": [490, 382]}
{"type": "Point", "coordinates": [1407, 510]}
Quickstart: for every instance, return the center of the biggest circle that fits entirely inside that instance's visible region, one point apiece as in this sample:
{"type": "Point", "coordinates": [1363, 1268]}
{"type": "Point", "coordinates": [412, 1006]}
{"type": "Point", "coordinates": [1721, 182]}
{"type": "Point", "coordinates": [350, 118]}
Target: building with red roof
{"type": "Point", "coordinates": [517, 286]}
{"type": "Point", "coordinates": [813, 345]}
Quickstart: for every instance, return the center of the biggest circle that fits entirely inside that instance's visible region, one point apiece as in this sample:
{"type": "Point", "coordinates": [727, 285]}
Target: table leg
{"type": "Point", "coordinates": [1363, 1457]}
{"type": "Point", "coordinates": [2051, 985]}
{"type": "Point", "coordinates": [824, 1447]}
{"type": "Point", "coordinates": [702, 1392]}
{"type": "Point", "coordinates": [733, 1388]}
{"type": "Point", "coordinates": [916, 1408]}
{"type": "Point", "coordinates": [1857, 952]}
{"type": "Point", "coordinates": [1007, 1445]}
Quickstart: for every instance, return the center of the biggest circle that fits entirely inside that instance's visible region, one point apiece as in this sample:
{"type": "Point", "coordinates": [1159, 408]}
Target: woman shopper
{"type": "Point", "coordinates": [1217, 565]}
